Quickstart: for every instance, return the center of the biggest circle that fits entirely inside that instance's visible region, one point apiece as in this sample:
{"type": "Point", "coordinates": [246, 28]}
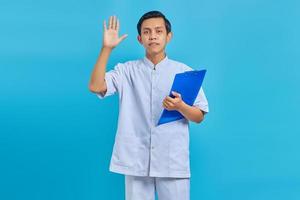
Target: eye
{"type": "Point", "coordinates": [146, 32]}
{"type": "Point", "coordinates": [159, 31]}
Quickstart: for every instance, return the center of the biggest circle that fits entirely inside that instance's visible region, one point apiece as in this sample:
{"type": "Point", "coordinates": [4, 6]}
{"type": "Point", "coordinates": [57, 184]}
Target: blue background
{"type": "Point", "coordinates": [56, 136]}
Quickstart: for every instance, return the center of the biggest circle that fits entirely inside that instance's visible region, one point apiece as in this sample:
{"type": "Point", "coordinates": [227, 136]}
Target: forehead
{"type": "Point", "coordinates": [153, 23]}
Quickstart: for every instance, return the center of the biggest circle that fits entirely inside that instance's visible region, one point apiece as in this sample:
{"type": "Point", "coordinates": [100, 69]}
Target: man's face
{"type": "Point", "coordinates": [154, 35]}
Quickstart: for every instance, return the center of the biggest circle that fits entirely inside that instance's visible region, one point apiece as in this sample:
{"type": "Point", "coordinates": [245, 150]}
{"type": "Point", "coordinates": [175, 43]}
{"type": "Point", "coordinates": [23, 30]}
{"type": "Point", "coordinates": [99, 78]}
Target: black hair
{"type": "Point", "coordinates": [153, 14]}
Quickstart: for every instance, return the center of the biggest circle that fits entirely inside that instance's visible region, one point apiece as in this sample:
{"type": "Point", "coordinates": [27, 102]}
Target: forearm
{"type": "Point", "coordinates": [97, 82]}
{"type": "Point", "coordinates": [191, 113]}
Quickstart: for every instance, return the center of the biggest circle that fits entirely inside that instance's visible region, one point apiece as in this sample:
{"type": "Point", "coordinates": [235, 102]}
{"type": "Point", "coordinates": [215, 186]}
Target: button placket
{"type": "Point", "coordinates": [153, 94]}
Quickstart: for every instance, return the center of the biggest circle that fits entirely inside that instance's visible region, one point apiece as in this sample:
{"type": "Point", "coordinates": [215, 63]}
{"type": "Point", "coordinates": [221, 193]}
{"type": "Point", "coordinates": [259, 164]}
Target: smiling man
{"type": "Point", "coordinates": [152, 158]}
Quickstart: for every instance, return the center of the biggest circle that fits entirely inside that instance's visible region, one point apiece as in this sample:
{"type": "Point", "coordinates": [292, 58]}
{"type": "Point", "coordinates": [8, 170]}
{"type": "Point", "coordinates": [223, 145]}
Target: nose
{"type": "Point", "coordinates": [153, 36]}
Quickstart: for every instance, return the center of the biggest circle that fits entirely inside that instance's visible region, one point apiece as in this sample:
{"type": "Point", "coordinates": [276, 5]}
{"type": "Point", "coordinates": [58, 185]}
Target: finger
{"type": "Point", "coordinates": [170, 99]}
{"type": "Point", "coordinates": [110, 22]}
{"type": "Point", "coordinates": [118, 25]}
{"type": "Point", "coordinates": [167, 100]}
{"type": "Point", "coordinates": [114, 22]}
{"type": "Point", "coordinates": [123, 37]}
{"type": "Point", "coordinates": [169, 104]}
{"type": "Point", "coordinates": [176, 94]}
{"type": "Point", "coordinates": [104, 25]}
{"type": "Point", "coordinates": [164, 102]}
{"type": "Point", "coordinates": [165, 106]}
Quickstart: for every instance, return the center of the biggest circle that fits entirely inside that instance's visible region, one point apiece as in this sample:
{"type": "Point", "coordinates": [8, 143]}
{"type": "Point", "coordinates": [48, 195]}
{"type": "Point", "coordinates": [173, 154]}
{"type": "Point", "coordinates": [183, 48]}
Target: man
{"type": "Point", "coordinates": [152, 158]}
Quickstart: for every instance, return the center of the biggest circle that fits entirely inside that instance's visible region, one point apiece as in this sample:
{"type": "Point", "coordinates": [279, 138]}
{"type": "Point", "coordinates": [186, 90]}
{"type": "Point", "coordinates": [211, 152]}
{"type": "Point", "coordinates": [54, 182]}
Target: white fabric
{"type": "Point", "coordinates": [144, 188]}
{"type": "Point", "coordinates": [141, 147]}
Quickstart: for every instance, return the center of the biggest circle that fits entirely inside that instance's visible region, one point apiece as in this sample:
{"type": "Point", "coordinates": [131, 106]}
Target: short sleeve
{"type": "Point", "coordinates": [113, 79]}
{"type": "Point", "coordinates": [201, 101]}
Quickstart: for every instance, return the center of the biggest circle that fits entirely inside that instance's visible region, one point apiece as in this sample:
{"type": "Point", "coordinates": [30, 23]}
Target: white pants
{"type": "Point", "coordinates": [144, 188]}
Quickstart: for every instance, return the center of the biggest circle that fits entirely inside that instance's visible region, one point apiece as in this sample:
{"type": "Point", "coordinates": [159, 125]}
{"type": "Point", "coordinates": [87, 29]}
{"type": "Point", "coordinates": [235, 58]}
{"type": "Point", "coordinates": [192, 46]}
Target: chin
{"type": "Point", "coordinates": [154, 52]}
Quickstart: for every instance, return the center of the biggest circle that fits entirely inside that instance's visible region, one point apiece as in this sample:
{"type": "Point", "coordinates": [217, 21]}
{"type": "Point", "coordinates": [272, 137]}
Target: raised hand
{"type": "Point", "coordinates": [111, 34]}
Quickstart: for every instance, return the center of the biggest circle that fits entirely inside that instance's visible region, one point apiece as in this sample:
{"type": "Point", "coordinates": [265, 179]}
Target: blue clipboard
{"type": "Point", "coordinates": [188, 85]}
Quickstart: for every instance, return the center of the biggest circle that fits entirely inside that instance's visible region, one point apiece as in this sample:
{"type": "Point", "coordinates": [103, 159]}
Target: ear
{"type": "Point", "coordinates": [169, 36]}
{"type": "Point", "coordinates": [139, 38]}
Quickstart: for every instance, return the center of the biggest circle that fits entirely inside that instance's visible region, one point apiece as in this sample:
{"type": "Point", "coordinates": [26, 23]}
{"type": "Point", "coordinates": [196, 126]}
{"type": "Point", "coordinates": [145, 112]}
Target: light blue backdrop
{"type": "Point", "coordinates": [56, 137]}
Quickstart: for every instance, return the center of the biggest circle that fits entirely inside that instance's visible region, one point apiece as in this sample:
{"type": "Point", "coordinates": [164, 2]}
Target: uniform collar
{"type": "Point", "coordinates": [151, 65]}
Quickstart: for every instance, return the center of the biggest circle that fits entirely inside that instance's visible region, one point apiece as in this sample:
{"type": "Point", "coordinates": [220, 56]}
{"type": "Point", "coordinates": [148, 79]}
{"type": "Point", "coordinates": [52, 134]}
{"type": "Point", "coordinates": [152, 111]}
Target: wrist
{"type": "Point", "coordinates": [181, 106]}
{"type": "Point", "coordinates": [106, 48]}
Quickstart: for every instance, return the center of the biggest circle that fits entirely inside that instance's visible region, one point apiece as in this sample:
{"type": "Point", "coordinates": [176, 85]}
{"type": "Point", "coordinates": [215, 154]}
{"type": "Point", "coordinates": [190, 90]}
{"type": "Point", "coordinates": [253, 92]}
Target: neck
{"type": "Point", "coordinates": [156, 58]}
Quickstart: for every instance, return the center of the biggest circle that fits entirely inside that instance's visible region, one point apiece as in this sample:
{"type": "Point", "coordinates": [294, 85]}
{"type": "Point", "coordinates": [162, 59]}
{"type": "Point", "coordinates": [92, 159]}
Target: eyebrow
{"type": "Point", "coordinates": [158, 27]}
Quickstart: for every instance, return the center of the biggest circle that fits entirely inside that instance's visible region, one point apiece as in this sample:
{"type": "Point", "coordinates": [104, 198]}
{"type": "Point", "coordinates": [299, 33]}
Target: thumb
{"type": "Point", "coordinates": [176, 94]}
{"type": "Point", "coordinates": [123, 37]}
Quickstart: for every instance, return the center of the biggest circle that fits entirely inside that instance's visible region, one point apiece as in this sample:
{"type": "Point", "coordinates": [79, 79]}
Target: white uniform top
{"type": "Point", "coordinates": [141, 147]}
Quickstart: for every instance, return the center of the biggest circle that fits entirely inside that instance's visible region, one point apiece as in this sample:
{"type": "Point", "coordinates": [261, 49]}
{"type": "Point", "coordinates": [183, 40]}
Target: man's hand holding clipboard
{"type": "Point", "coordinates": [186, 86]}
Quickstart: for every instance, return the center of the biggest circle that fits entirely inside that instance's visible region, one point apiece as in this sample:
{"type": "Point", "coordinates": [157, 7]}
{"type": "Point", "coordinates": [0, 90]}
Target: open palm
{"type": "Point", "coordinates": [111, 33]}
